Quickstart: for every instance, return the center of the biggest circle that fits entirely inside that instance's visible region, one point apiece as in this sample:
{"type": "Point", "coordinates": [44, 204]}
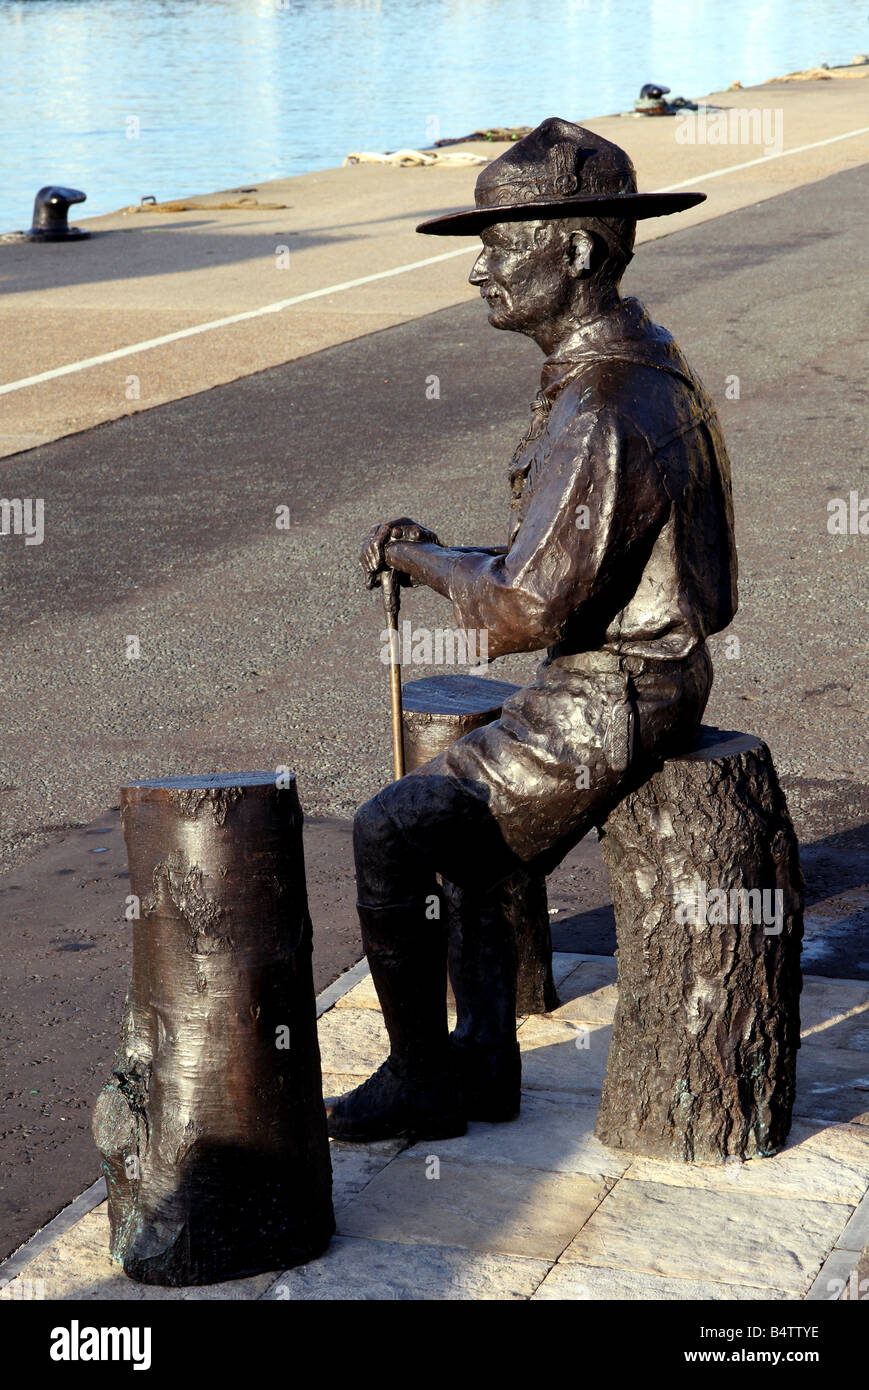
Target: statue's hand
{"type": "Point", "coordinates": [373, 557]}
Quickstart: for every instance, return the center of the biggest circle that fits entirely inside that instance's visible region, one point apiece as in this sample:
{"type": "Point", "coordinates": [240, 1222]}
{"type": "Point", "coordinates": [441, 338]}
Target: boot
{"type": "Point", "coordinates": [482, 967]}
{"type": "Point", "coordinates": [414, 1095]}
{"type": "Point", "coordinates": [490, 1079]}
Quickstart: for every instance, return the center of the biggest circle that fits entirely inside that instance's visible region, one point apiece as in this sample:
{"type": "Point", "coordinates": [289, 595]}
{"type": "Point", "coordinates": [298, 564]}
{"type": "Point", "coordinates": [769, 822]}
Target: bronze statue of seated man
{"type": "Point", "coordinates": [620, 562]}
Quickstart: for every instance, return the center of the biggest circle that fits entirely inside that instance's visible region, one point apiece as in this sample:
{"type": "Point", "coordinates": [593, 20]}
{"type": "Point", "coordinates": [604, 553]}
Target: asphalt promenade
{"type": "Point", "coordinates": [259, 647]}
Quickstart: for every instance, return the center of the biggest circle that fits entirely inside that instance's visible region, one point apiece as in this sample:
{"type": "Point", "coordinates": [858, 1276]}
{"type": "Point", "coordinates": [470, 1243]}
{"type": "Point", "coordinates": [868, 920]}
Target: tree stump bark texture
{"type": "Point", "coordinates": [708, 897]}
{"type": "Point", "coordinates": [212, 1127]}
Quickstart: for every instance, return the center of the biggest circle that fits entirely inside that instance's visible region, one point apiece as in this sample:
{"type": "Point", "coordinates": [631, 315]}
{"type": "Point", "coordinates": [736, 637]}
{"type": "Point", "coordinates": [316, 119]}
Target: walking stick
{"type": "Point", "coordinates": [391, 602]}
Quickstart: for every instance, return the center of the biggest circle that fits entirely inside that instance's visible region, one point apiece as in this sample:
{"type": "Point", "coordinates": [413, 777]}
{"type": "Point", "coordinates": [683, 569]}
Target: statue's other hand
{"type": "Point", "coordinates": [373, 557]}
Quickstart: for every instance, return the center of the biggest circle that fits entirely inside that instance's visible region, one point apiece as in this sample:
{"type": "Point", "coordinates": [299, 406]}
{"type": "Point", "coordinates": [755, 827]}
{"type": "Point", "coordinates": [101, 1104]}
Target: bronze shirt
{"type": "Point", "coordinates": [621, 533]}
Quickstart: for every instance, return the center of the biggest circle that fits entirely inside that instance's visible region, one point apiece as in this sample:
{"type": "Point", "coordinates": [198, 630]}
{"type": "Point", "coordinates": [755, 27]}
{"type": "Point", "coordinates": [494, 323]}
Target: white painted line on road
{"type": "Point", "coordinates": [222, 323]}
{"type": "Point", "coordinates": [764, 159]}
{"type": "Point", "coordinates": [281, 304]}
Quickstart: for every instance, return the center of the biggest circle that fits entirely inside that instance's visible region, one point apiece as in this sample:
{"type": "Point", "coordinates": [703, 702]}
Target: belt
{"type": "Point", "coordinates": [605, 662]}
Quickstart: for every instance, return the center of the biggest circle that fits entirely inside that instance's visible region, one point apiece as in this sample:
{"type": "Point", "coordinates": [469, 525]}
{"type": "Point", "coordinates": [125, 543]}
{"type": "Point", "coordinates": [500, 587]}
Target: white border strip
{"type": "Point", "coordinates": [282, 304]}
{"type": "Point", "coordinates": [343, 985]}
{"type": "Point", "coordinates": [843, 1259]}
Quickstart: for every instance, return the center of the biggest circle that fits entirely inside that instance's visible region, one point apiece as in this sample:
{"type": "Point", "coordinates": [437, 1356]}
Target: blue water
{"type": "Point", "coordinates": [170, 97]}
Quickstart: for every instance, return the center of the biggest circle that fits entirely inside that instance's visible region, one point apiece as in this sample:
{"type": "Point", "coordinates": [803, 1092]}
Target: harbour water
{"type": "Point", "coordinates": [126, 98]}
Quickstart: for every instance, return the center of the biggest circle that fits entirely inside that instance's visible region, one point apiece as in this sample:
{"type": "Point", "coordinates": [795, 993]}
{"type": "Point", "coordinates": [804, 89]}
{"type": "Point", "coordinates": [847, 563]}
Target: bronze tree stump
{"type": "Point", "coordinates": [436, 711]}
{"type": "Point", "coordinates": [702, 1064]}
{"type": "Point", "coordinates": [212, 1129]}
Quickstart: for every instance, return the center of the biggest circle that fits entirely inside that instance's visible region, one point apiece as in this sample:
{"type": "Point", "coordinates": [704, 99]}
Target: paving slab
{"type": "Point", "coordinates": [733, 1237]}
{"type": "Point", "coordinates": [354, 1165]}
{"type": "Point", "coordinates": [574, 974]}
{"type": "Point", "coordinates": [834, 1013]}
{"type": "Point", "coordinates": [550, 1133]}
{"type": "Point", "coordinates": [361, 996]}
{"type": "Point", "coordinates": [858, 1278]}
{"type": "Point", "coordinates": [835, 1279]}
{"type": "Point", "coordinates": [589, 1283]}
{"type": "Point", "coordinates": [856, 1234]}
{"type": "Point", "coordinates": [77, 1265]}
{"type": "Point", "coordinates": [564, 963]}
{"type": "Point", "coordinates": [589, 993]}
{"type": "Point", "coordinates": [380, 1269]}
{"type": "Point", "coordinates": [560, 1056]}
{"type": "Point", "coordinates": [353, 1042]}
{"type": "Point", "coordinates": [473, 1204]}
{"type": "Point", "coordinates": [830, 1162]}
{"type": "Point", "coordinates": [339, 1083]}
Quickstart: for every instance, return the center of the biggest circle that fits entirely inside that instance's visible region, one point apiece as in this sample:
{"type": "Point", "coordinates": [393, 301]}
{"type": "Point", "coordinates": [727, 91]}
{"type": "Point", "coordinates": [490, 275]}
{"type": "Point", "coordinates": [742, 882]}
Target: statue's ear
{"type": "Point", "coordinates": [581, 254]}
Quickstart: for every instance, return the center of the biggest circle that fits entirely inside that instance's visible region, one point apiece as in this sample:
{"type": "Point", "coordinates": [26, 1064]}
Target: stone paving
{"type": "Point", "coordinates": [538, 1208]}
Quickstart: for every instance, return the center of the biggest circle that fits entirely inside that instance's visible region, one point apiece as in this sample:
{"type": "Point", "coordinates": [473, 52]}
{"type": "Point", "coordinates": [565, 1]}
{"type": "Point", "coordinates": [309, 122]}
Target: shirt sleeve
{"type": "Point", "coordinates": [597, 503]}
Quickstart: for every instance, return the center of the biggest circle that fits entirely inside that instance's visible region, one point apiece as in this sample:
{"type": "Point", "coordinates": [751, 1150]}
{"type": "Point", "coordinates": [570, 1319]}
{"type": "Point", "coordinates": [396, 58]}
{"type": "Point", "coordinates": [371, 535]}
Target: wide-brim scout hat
{"type": "Point", "coordinates": [558, 170]}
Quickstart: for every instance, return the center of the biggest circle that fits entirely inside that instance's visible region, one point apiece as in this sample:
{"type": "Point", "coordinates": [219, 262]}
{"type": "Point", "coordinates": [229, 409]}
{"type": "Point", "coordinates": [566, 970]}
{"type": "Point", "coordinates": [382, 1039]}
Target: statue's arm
{"type": "Point", "coordinates": [596, 505]}
{"type": "Point", "coordinates": [373, 557]}
{"type": "Point", "coordinates": [433, 564]}
{"type": "Point", "coordinates": [479, 549]}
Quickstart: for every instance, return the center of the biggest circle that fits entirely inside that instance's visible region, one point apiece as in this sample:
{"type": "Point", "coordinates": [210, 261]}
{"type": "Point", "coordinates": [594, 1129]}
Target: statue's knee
{"type": "Point", "coordinates": [371, 827]}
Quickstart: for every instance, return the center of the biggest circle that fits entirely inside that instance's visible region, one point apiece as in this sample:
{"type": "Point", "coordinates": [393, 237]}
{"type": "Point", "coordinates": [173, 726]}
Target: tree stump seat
{"type": "Point", "coordinates": [708, 895]}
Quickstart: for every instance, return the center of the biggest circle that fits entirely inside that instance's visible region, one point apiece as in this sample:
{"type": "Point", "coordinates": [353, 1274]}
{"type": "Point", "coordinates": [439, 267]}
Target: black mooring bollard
{"type": "Point", "coordinates": [50, 211]}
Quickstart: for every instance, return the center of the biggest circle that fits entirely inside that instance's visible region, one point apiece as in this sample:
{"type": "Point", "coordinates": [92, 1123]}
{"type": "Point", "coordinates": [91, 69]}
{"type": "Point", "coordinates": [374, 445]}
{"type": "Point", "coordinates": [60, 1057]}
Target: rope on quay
{"type": "Point", "coordinates": [149, 204]}
{"type": "Point", "coordinates": [407, 159]}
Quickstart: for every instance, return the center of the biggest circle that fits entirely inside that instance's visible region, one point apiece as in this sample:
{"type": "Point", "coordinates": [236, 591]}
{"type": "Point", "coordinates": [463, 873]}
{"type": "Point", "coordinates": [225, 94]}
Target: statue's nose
{"type": "Point", "coordinates": [50, 210]}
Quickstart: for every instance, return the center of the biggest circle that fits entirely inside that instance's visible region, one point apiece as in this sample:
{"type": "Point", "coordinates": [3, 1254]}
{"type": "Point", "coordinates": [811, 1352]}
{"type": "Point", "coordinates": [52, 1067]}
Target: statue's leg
{"type": "Point", "coordinates": [483, 964]}
{"type": "Point", "coordinates": [404, 936]}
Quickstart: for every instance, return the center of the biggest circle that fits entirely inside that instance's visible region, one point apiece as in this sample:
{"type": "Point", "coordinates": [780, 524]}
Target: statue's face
{"type": "Point", "coordinates": [523, 272]}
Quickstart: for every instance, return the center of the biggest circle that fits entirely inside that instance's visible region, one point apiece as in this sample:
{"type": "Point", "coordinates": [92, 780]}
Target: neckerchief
{"type": "Point", "coordinates": [625, 333]}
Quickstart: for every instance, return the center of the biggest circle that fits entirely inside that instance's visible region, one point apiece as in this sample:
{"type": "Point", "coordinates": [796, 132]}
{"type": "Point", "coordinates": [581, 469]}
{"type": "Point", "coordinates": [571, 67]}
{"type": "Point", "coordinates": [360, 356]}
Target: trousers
{"type": "Point", "coordinates": [513, 795]}
{"type": "Point", "coordinates": [520, 792]}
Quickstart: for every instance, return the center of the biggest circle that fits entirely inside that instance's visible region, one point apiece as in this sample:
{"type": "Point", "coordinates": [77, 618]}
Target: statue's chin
{"type": "Point", "coordinates": [498, 316]}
